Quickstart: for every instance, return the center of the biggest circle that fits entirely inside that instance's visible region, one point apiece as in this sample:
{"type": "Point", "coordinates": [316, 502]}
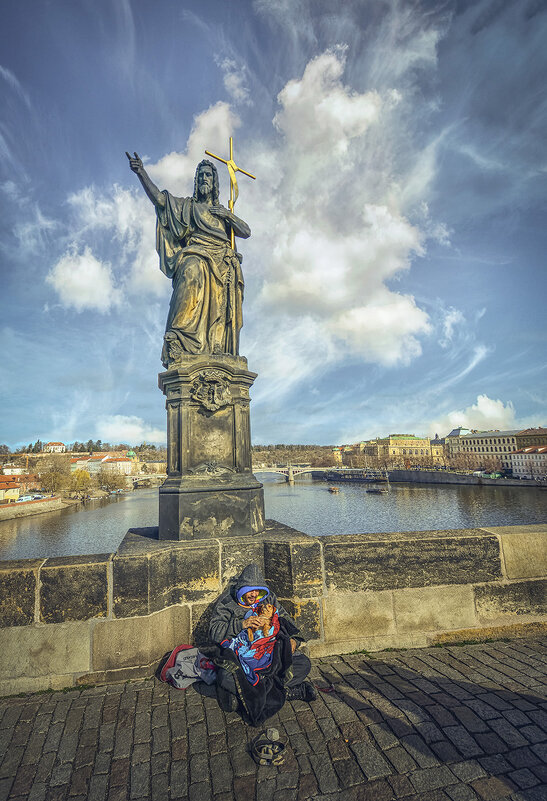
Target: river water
{"type": "Point", "coordinates": [307, 506]}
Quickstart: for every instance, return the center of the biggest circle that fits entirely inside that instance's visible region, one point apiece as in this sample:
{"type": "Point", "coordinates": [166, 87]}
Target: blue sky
{"type": "Point", "coordinates": [395, 277]}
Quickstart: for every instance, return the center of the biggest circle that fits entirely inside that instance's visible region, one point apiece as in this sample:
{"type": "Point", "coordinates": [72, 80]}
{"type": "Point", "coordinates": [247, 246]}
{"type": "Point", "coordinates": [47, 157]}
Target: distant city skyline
{"type": "Point", "coordinates": [395, 274]}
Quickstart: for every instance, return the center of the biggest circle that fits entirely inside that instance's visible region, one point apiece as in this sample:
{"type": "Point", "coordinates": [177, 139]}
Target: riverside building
{"type": "Point", "coordinates": [490, 447]}
{"type": "Point", "coordinates": [530, 462]}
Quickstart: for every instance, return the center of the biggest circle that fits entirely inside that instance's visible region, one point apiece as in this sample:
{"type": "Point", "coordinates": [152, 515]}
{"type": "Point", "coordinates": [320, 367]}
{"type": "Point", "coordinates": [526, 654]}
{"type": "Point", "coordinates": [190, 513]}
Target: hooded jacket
{"type": "Point", "coordinates": [229, 612]}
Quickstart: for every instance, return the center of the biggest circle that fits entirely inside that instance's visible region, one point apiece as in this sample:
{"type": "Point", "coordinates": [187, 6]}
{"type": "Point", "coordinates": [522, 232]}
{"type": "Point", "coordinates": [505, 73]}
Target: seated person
{"type": "Point", "coordinates": [248, 620]}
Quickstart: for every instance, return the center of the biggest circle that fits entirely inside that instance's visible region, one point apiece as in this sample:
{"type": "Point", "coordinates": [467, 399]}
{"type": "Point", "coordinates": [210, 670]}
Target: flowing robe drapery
{"type": "Point", "coordinates": [194, 248]}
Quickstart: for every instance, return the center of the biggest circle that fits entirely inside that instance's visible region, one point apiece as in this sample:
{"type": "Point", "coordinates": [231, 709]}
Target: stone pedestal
{"type": "Point", "coordinates": [210, 490]}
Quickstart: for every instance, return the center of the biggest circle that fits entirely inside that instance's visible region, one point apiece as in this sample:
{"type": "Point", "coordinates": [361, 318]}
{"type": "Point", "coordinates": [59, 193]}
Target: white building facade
{"type": "Point", "coordinates": [530, 462]}
{"type": "Point", "coordinates": [490, 446]}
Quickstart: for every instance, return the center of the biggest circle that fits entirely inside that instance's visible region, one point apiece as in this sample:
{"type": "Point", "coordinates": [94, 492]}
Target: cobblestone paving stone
{"type": "Point", "coordinates": [466, 723]}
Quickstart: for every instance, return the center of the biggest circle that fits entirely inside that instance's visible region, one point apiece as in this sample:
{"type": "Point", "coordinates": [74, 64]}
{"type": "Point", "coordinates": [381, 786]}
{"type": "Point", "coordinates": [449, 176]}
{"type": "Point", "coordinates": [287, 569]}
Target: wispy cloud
{"type": "Point", "coordinates": [235, 79]}
{"type": "Point", "coordinates": [14, 84]}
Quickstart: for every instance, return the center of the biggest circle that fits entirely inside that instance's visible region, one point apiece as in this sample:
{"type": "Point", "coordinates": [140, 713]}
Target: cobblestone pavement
{"type": "Point", "coordinates": [453, 723]}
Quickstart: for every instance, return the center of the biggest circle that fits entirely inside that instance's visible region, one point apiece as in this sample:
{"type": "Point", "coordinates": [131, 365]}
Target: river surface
{"type": "Point", "coordinates": [99, 526]}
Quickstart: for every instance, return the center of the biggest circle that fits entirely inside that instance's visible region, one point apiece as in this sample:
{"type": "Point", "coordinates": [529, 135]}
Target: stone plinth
{"type": "Point", "coordinates": [210, 490]}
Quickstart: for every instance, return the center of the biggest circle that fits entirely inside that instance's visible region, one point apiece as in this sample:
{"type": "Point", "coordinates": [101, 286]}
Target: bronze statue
{"type": "Point", "coordinates": [195, 243]}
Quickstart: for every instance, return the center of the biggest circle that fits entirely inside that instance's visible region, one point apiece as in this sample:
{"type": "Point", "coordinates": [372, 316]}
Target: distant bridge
{"type": "Point", "coordinates": [290, 472]}
{"type": "Point", "coordinates": [148, 480]}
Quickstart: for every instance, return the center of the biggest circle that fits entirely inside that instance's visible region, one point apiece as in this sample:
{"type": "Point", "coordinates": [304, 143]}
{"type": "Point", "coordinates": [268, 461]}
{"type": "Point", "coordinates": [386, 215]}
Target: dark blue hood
{"type": "Point", "coordinates": [250, 578]}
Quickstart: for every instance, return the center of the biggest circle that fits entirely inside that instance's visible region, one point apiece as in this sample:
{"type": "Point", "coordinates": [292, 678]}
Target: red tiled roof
{"type": "Point", "coordinates": [5, 485]}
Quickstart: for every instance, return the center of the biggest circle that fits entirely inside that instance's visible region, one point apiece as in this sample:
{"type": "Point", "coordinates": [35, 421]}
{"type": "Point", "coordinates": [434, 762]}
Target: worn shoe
{"type": "Point", "coordinates": [267, 750]}
{"type": "Point", "coordinates": [302, 692]}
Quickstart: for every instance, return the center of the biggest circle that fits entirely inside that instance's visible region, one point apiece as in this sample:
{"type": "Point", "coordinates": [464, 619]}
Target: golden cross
{"type": "Point", "coordinates": [234, 190]}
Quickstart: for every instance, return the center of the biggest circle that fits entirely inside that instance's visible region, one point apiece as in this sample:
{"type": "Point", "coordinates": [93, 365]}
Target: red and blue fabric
{"type": "Point", "coordinates": [254, 656]}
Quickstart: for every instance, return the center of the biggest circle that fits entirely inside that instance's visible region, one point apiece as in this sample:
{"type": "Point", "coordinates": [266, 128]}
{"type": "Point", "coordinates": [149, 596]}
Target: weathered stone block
{"type": "Point", "coordinates": [138, 641]}
{"type": "Point", "coordinates": [306, 615]}
{"type": "Point", "coordinates": [237, 553]}
{"type": "Point", "coordinates": [414, 559]}
{"type": "Point", "coordinates": [73, 588]}
{"type": "Point", "coordinates": [355, 615]}
{"type": "Point", "coordinates": [505, 600]}
{"type": "Point", "coordinates": [434, 608]}
{"type": "Point", "coordinates": [130, 591]}
{"type": "Point", "coordinates": [294, 568]}
{"type": "Point", "coordinates": [61, 648]}
{"type": "Point", "coordinates": [18, 580]}
{"type": "Point", "coordinates": [179, 574]}
{"type": "Point", "coordinates": [277, 568]}
{"type": "Point", "coordinates": [524, 550]}
{"type": "Point", "coordinates": [307, 575]}
{"type": "Point", "coordinates": [200, 618]}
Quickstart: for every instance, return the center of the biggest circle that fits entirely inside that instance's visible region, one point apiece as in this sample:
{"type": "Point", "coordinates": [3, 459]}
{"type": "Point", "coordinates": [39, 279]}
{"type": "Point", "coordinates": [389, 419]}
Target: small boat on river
{"type": "Point", "coordinates": [334, 489]}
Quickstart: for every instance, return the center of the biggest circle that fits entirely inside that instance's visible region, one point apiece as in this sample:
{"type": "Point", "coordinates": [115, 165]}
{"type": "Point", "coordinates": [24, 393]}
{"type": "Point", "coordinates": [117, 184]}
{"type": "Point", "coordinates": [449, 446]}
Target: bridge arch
{"type": "Point", "coordinates": [290, 473]}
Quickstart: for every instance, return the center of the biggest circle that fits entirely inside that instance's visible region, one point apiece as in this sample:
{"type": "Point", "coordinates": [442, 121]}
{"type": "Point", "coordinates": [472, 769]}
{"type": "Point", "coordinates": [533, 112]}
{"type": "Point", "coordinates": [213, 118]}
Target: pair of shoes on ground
{"type": "Point", "coordinates": [267, 748]}
{"type": "Point", "coordinates": [302, 692]}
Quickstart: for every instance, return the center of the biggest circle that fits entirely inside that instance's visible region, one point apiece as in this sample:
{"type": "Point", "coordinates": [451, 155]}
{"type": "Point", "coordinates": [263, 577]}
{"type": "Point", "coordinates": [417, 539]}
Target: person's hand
{"type": "Point", "coordinates": [254, 622]}
{"type": "Point", "coordinates": [294, 645]}
{"type": "Point", "coordinates": [135, 163]}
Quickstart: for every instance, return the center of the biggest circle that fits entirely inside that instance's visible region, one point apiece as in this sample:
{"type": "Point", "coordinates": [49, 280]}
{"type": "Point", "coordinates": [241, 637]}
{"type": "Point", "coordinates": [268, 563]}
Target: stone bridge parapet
{"type": "Point", "coordinates": [105, 617]}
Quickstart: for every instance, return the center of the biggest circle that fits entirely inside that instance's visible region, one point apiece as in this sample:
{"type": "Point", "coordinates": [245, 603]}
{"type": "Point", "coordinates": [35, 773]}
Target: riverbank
{"type": "Point", "coordinates": [14, 510]}
{"type": "Point", "coordinates": [427, 477]}
{"type": "Point", "coordinates": [446, 477]}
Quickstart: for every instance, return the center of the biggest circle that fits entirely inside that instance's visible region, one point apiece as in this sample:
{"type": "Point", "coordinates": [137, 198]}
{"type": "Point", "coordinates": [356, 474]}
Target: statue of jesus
{"type": "Point", "coordinates": [193, 243]}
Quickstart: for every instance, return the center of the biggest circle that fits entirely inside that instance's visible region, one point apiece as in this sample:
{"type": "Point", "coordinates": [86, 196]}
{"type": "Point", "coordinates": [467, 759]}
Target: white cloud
{"type": "Point", "coordinates": [319, 114]}
{"type": "Point", "coordinates": [452, 318]}
{"type": "Point", "coordinates": [484, 415]}
{"type": "Point", "coordinates": [34, 234]}
{"type": "Point", "coordinates": [129, 216]}
{"type": "Point", "coordinates": [128, 428]}
{"type": "Point", "coordinates": [83, 282]}
{"type": "Point", "coordinates": [335, 234]}
{"type": "Point", "coordinates": [384, 333]}
{"type": "Point", "coordinates": [211, 131]}
{"type": "Point", "coordinates": [235, 81]}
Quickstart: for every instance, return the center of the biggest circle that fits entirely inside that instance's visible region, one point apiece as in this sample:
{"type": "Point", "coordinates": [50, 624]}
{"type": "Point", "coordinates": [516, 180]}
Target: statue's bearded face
{"type": "Point", "coordinates": [205, 181]}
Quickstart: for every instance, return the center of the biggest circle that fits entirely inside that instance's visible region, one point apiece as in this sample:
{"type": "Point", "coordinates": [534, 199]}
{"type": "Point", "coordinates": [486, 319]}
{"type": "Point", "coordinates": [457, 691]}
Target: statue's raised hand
{"type": "Point", "coordinates": [135, 163]}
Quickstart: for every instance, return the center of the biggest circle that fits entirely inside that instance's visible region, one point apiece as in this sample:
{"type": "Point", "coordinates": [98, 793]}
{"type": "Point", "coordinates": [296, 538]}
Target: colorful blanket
{"type": "Point", "coordinates": [254, 650]}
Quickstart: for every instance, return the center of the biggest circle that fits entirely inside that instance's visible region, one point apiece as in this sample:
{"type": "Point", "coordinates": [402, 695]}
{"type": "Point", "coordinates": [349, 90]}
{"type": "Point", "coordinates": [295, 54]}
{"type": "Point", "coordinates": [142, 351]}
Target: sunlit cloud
{"type": "Point", "coordinates": [83, 282]}
{"type": "Point", "coordinates": [486, 414]}
{"type": "Point", "coordinates": [127, 428]}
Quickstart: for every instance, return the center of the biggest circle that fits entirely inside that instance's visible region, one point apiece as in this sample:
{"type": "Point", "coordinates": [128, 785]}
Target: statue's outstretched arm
{"type": "Point", "coordinates": [240, 227]}
{"type": "Point", "coordinates": [148, 185]}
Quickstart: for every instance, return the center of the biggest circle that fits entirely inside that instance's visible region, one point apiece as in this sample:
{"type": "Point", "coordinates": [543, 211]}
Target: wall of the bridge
{"type": "Point", "coordinates": [111, 617]}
